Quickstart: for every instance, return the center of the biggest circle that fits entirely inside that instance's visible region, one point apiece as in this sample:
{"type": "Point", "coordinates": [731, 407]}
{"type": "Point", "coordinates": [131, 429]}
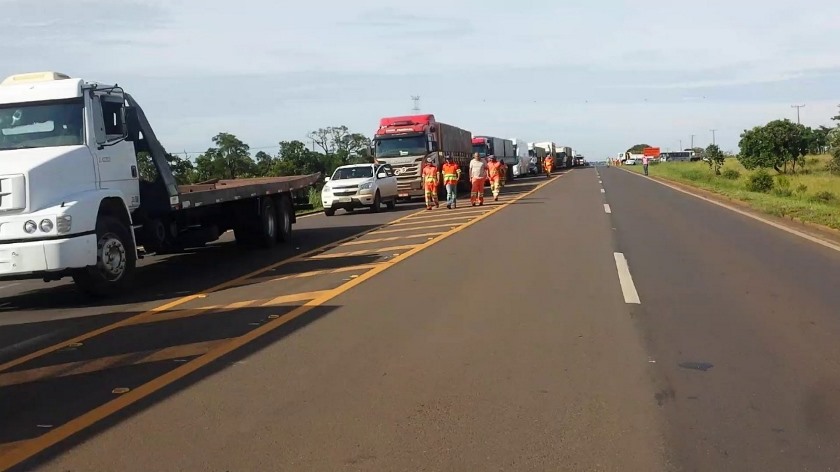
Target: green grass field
{"type": "Point", "coordinates": [811, 195]}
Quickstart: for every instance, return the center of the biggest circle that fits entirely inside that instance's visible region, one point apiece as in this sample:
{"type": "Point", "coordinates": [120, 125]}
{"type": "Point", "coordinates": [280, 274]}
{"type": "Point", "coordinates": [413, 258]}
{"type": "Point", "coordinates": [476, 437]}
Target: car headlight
{"type": "Point", "coordinates": [46, 225]}
{"type": "Point", "coordinates": [30, 226]}
{"type": "Point", "coordinates": [63, 223]}
{"type": "Point", "coordinates": [366, 186]}
{"type": "Point", "coordinates": [326, 188]}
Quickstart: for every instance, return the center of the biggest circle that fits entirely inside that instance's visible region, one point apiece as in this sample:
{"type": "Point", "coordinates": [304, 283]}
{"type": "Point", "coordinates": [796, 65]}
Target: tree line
{"type": "Point", "coordinates": [231, 158]}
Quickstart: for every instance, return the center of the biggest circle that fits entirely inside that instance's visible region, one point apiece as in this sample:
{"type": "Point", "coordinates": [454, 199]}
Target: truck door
{"type": "Point", "coordinates": [115, 157]}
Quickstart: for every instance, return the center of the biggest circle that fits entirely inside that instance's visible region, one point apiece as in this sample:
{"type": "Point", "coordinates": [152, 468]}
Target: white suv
{"type": "Point", "coordinates": [360, 185]}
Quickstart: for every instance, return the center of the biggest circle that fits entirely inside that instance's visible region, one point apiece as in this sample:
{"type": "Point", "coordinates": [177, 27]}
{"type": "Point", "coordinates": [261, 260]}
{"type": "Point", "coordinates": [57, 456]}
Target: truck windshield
{"type": "Point", "coordinates": [364, 172]}
{"type": "Point", "coordinates": [399, 147]}
{"type": "Point", "coordinates": [481, 149]}
{"type": "Point", "coordinates": [35, 125]}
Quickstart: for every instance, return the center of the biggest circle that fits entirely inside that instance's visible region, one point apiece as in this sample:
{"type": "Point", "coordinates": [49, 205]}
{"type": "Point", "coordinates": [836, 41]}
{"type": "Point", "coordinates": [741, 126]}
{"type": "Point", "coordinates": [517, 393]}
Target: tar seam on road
{"type": "Point", "coordinates": [607, 208]}
{"type": "Point", "coordinates": [813, 239]}
{"type": "Point", "coordinates": [167, 306]}
{"type": "Point", "coordinates": [34, 446]}
{"type": "Point", "coordinates": [628, 288]}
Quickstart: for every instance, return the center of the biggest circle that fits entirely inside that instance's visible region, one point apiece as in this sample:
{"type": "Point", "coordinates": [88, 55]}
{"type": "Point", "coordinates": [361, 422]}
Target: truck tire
{"type": "Point", "coordinates": [116, 260]}
{"type": "Point", "coordinates": [267, 232]}
{"type": "Point", "coordinates": [284, 216]}
{"type": "Point", "coordinates": [377, 203]}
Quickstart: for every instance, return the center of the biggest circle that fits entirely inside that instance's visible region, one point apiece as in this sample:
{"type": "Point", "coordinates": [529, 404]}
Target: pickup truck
{"type": "Point", "coordinates": [360, 185]}
{"type": "Point", "coordinates": [72, 202]}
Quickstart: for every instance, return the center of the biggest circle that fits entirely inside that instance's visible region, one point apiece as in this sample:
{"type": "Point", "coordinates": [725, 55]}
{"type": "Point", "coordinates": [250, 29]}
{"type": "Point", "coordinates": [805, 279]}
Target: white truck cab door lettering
{"type": "Point", "coordinates": [115, 156]}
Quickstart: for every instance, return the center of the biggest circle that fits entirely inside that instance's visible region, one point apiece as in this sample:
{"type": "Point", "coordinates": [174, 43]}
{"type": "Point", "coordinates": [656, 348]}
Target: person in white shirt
{"type": "Point", "coordinates": [478, 174]}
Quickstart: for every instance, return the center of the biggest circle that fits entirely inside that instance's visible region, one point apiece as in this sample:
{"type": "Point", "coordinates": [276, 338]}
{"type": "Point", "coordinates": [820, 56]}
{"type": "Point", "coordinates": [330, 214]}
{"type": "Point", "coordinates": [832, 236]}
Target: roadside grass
{"type": "Point", "coordinates": [811, 195]}
{"type": "Point", "coordinates": [314, 200]}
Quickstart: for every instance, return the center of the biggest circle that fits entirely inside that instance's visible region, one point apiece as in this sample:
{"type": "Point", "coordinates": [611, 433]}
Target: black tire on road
{"type": "Point", "coordinates": [377, 203]}
{"type": "Point", "coordinates": [392, 203]}
{"type": "Point", "coordinates": [116, 260]}
{"type": "Point", "coordinates": [266, 233]}
{"type": "Point", "coordinates": [285, 211]}
{"type": "Point", "coordinates": [329, 211]}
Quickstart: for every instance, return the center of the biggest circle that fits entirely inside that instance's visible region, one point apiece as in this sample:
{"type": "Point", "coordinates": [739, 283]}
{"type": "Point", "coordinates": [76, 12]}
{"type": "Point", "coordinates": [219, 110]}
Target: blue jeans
{"type": "Point", "coordinates": [451, 193]}
{"type": "Point", "coordinates": [646, 169]}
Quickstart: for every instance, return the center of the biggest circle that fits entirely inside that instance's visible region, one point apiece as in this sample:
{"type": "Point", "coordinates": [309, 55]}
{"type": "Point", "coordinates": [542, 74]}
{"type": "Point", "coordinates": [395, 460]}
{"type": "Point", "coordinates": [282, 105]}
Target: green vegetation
{"type": "Point", "coordinates": [807, 181]}
{"type": "Point", "coordinates": [230, 158]}
{"type": "Point", "coordinates": [811, 195]}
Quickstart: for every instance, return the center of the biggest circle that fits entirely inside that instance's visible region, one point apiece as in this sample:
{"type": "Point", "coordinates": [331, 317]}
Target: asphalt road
{"type": "Point", "coordinates": [505, 337]}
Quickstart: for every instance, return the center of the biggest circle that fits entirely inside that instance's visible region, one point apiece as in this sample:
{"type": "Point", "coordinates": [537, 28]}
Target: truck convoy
{"type": "Point", "coordinates": [404, 142]}
{"type": "Point", "coordinates": [536, 154]}
{"type": "Point", "coordinates": [72, 202]}
{"type": "Point", "coordinates": [520, 152]}
{"type": "Point", "coordinates": [501, 148]}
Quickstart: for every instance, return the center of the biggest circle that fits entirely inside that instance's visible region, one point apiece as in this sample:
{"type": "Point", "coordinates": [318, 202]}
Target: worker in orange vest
{"type": "Point", "coordinates": [451, 176]}
{"type": "Point", "coordinates": [504, 169]}
{"type": "Point", "coordinates": [548, 165]}
{"type": "Point", "coordinates": [494, 173]}
{"type": "Point", "coordinates": [430, 183]}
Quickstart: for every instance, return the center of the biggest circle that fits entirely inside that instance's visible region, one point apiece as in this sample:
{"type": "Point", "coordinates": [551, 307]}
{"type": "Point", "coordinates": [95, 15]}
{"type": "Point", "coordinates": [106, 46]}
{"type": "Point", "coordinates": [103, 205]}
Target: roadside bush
{"type": "Point", "coordinates": [760, 181]}
{"type": "Point", "coordinates": [315, 197]}
{"type": "Point", "coordinates": [731, 174]}
{"type": "Point", "coordinates": [783, 182]}
{"type": "Point", "coordinates": [783, 192]}
{"type": "Point", "coordinates": [695, 175]}
{"type": "Point", "coordinates": [824, 197]}
{"type": "Point", "coordinates": [801, 189]}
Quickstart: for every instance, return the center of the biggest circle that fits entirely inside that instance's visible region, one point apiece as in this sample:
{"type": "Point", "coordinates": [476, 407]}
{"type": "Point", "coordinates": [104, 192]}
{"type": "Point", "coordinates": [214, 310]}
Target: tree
{"type": "Point", "coordinates": [265, 164]}
{"type": "Point", "coordinates": [715, 158]}
{"type": "Point", "coordinates": [294, 158]}
{"type": "Point", "coordinates": [638, 149]}
{"type": "Point", "coordinates": [230, 159]}
{"type": "Point", "coordinates": [837, 116]}
{"type": "Point", "coordinates": [182, 168]}
{"type": "Point", "coordinates": [776, 144]}
{"type": "Point", "coordinates": [834, 149]}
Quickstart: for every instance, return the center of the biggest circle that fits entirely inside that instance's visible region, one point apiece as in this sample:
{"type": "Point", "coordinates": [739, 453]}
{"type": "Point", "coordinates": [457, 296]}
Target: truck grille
{"type": "Point", "coordinates": [12, 192]}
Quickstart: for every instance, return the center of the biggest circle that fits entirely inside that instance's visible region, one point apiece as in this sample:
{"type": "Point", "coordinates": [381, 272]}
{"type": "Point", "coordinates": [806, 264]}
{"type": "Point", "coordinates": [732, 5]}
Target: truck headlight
{"type": "Point", "coordinates": [46, 225]}
{"type": "Point", "coordinates": [63, 223]}
{"type": "Point", "coordinates": [30, 226]}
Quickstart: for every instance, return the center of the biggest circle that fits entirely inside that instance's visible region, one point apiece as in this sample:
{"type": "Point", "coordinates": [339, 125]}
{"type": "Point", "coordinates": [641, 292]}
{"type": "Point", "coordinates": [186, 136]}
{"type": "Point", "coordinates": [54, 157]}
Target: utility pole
{"type": "Point", "coordinates": [797, 111]}
{"type": "Point", "coordinates": [416, 99]}
{"type": "Point", "coordinates": [692, 142]}
{"type": "Point", "coordinates": [713, 136]}
{"type": "Point", "coordinates": [681, 148]}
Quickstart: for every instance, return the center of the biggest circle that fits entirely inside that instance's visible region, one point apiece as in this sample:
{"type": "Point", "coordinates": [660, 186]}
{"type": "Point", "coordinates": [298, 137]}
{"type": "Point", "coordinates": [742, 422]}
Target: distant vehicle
{"type": "Point", "coordinates": [550, 149]}
{"type": "Point", "coordinates": [405, 142]}
{"type": "Point", "coordinates": [563, 157]}
{"type": "Point", "coordinates": [678, 156]}
{"type": "Point", "coordinates": [360, 185]}
{"type": "Point", "coordinates": [536, 154]}
{"type": "Point", "coordinates": [520, 151]}
{"type": "Point", "coordinates": [501, 148]}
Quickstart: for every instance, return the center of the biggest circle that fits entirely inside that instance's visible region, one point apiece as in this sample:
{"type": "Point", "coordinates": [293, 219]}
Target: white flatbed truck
{"type": "Point", "coordinates": [72, 202]}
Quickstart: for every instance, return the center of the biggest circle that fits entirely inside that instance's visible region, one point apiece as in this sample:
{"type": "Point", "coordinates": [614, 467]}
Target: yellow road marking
{"type": "Point", "coordinates": [402, 230]}
{"type": "Point", "coordinates": [363, 252]}
{"type": "Point", "coordinates": [110, 362]}
{"type": "Point", "coordinates": [297, 297]}
{"type": "Point", "coordinates": [414, 221]}
{"type": "Point", "coordinates": [313, 273]}
{"type": "Point", "coordinates": [54, 436]}
{"type": "Point", "coordinates": [9, 446]}
{"type": "Point", "coordinates": [457, 211]}
{"type": "Point", "coordinates": [392, 238]}
{"type": "Point", "coordinates": [168, 306]}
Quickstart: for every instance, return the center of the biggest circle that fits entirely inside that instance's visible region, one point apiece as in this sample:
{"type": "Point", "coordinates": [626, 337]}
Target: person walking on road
{"type": "Point", "coordinates": [548, 165]}
{"type": "Point", "coordinates": [478, 173]}
{"type": "Point", "coordinates": [430, 183]}
{"type": "Point", "coordinates": [494, 172]}
{"type": "Point", "coordinates": [451, 176]}
{"type": "Point", "coordinates": [645, 161]}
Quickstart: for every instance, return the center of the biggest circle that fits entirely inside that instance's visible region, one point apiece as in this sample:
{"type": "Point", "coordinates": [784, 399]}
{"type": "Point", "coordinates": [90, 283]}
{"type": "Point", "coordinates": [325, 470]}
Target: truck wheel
{"type": "Point", "coordinates": [377, 203]}
{"type": "Point", "coordinates": [115, 260]}
{"type": "Point", "coordinates": [284, 215]}
{"type": "Point", "coordinates": [268, 227]}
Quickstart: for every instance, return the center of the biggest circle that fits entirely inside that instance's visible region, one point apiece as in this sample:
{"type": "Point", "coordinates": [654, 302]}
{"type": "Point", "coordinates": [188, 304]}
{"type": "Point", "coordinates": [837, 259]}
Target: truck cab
{"type": "Point", "coordinates": [64, 160]}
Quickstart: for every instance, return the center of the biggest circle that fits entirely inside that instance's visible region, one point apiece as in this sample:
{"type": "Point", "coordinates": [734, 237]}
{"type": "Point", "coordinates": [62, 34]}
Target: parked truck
{"type": "Point", "coordinates": [520, 152]}
{"type": "Point", "coordinates": [501, 148]}
{"type": "Point", "coordinates": [72, 202]}
{"type": "Point", "coordinates": [405, 142]}
{"type": "Point", "coordinates": [536, 154]}
{"type": "Point", "coordinates": [563, 157]}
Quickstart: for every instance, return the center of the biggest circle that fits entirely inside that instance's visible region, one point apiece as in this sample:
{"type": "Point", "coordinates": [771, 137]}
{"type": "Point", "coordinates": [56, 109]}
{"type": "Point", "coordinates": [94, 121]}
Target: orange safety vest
{"type": "Point", "coordinates": [549, 162]}
{"type": "Point", "coordinates": [451, 173]}
{"type": "Point", "coordinates": [494, 169]}
{"type": "Point", "coordinates": [430, 175]}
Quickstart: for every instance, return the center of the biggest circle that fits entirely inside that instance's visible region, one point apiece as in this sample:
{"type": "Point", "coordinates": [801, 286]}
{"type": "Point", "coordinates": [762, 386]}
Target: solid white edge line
{"type": "Point", "coordinates": [792, 231]}
{"type": "Point", "coordinates": [625, 279]}
{"type": "Point", "coordinates": [607, 208]}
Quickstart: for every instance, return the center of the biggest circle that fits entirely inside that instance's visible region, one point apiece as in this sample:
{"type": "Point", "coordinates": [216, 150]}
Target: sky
{"type": "Point", "coordinates": [597, 76]}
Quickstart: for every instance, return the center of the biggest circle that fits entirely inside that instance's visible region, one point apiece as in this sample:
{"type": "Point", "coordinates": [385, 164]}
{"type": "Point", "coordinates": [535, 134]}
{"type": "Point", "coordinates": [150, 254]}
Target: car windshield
{"type": "Point", "coordinates": [360, 172]}
{"type": "Point", "coordinates": [35, 125]}
{"type": "Point", "coordinates": [399, 147]}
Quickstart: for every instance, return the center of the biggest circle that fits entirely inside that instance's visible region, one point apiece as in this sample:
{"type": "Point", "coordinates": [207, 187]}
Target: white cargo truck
{"type": "Point", "coordinates": [72, 202]}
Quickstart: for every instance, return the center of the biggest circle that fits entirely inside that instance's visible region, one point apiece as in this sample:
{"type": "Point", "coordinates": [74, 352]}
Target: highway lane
{"type": "Point", "coordinates": [480, 352]}
{"type": "Point", "coordinates": [742, 322]}
{"type": "Point", "coordinates": [48, 392]}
